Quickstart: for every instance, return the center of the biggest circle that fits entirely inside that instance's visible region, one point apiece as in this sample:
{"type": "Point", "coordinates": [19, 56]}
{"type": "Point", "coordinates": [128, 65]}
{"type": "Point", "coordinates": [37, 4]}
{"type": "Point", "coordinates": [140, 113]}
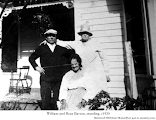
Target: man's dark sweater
{"type": "Point", "coordinates": [55, 64]}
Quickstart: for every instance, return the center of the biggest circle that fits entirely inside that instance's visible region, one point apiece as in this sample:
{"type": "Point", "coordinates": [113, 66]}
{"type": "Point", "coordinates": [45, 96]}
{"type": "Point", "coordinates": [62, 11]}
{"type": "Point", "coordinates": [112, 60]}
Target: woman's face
{"type": "Point", "coordinates": [85, 37]}
{"type": "Point", "coordinates": [75, 65]}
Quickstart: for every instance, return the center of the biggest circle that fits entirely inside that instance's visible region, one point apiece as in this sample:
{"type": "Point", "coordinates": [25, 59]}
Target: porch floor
{"type": "Point", "coordinates": [22, 102]}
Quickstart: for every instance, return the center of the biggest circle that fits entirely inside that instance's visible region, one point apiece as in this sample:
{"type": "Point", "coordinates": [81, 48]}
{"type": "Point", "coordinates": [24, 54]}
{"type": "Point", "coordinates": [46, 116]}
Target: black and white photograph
{"type": "Point", "coordinates": [78, 58]}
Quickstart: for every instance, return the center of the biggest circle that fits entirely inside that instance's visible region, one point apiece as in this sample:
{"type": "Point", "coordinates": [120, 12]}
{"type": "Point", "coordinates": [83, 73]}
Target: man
{"type": "Point", "coordinates": [94, 61]}
{"type": "Point", "coordinates": [53, 65]}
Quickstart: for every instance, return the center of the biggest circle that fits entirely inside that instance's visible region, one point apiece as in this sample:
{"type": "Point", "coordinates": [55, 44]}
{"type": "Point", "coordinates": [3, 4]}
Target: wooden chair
{"type": "Point", "coordinates": [19, 82]}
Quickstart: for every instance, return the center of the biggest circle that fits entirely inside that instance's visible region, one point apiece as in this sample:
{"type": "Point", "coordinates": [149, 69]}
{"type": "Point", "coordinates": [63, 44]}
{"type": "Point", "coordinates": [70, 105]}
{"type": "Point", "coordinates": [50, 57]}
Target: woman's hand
{"type": "Point", "coordinates": [82, 104]}
{"type": "Point", "coordinates": [108, 78]}
{"type": "Point", "coordinates": [63, 104]}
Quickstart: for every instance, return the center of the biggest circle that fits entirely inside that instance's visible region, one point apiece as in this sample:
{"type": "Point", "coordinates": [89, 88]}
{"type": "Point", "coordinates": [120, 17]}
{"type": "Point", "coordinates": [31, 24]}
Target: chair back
{"type": "Point", "coordinates": [20, 82]}
{"type": "Point", "coordinates": [23, 72]}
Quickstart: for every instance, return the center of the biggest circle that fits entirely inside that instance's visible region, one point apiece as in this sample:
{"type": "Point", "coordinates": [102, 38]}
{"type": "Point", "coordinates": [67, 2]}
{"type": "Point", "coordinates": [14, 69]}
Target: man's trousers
{"type": "Point", "coordinates": [49, 94]}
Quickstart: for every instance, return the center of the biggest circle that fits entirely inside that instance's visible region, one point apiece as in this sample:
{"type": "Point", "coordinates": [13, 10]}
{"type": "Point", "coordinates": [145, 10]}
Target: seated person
{"type": "Point", "coordinates": [75, 88]}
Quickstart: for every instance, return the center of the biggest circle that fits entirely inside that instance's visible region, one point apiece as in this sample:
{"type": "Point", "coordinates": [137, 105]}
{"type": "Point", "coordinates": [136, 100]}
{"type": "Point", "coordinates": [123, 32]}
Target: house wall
{"type": "Point", "coordinates": [106, 20]}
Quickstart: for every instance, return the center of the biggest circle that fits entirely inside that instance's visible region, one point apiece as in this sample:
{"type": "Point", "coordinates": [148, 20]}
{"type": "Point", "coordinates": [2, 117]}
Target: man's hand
{"type": "Point", "coordinates": [43, 42]}
{"type": "Point", "coordinates": [40, 70]}
{"type": "Point", "coordinates": [64, 104]}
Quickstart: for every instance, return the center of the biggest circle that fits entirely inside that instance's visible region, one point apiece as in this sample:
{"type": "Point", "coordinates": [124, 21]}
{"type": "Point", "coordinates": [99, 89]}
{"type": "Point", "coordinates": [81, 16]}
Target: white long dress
{"type": "Point", "coordinates": [95, 66]}
{"type": "Point", "coordinates": [74, 88]}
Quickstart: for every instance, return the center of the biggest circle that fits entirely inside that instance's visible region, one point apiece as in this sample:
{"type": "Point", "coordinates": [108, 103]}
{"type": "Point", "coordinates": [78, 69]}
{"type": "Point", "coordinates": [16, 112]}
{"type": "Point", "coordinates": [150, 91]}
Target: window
{"type": "Point", "coordinates": [62, 19]}
{"type": "Point", "coordinates": [137, 33]}
{"type": "Point", "coordinates": [21, 37]}
{"type": "Point", "coordinates": [9, 44]}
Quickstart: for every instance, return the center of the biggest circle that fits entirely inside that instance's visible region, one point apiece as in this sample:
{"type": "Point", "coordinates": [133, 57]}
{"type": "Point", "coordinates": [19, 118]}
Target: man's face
{"type": "Point", "coordinates": [85, 37]}
{"type": "Point", "coordinates": [75, 65]}
{"type": "Point", "coordinates": [51, 38]}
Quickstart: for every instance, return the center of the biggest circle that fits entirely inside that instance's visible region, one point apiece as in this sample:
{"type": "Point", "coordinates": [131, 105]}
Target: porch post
{"type": "Point", "coordinates": [0, 41]}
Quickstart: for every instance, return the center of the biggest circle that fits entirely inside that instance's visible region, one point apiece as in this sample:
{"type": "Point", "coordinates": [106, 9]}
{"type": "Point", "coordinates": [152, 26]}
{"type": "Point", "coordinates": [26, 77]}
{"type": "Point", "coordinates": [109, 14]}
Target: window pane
{"type": "Point", "coordinates": [135, 34]}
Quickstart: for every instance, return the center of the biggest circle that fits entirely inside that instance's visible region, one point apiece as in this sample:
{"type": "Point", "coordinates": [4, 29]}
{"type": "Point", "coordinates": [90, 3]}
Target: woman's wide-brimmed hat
{"type": "Point", "coordinates": [85, 29]}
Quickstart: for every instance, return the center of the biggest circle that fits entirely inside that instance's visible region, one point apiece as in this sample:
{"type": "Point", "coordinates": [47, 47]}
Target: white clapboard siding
{"type": "Point", "coordinates": [100, 15]}
{"type": "Point", "coordinates": [112, 45]}
{"type": "Point", "coordinates": [104, 39]}
{"type": "Point", "coordinates": [92, 10]}
{"type": "Point", "coordinates": [116, 84]}
{"type": "Point", "coordinates": [114, 52]}
{"type": "Point", "coordinates": [111, 26]}
{"type": "Point", "coordinates": [116, 71]}
{"type": "Point", "coordinates": [106, 20]}
{"type": "Point", "coordinates": [117, 78]}
{"type": "Point", "coordinates": [116, 65]}
{"type": "Point", "coordinates": [103, 20]}
{"type": "Point", "coordinates": [118, 58]}
{"type": "Point", "coordinates": [96, 3]}
{"type": "Point", "coordinates": [107, 33]}
{"type": "Point", "coordinates": [116, 90]}
{"type": "Point", "coordinates": [118, 95]}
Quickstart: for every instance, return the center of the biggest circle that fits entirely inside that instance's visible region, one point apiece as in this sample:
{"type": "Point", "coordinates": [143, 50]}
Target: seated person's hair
{"type": "Point", "coordinates": [77, 57]}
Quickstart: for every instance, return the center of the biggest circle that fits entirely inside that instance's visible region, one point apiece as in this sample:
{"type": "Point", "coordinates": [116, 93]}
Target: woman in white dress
{"type": "Point", "coordinates": [94, 60]}
{"type": "Point", "coordinates": [75, 88]}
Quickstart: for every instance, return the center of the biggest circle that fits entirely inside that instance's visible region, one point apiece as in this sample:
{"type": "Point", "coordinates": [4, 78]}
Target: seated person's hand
{"type": "Point", "coordinates": [63, 104]}
{"type": "Point", "coordinates": [82, 104]}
